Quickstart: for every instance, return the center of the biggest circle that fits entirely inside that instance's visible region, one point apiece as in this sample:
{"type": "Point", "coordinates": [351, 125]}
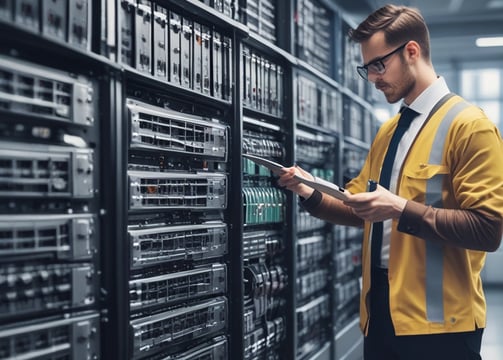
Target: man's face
{"type": "Point", "coordinates": [387, 68]}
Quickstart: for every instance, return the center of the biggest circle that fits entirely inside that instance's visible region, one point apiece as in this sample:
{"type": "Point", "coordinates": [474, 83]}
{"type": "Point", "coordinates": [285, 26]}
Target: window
{"type": "Point", "coordinates": [482, 86]}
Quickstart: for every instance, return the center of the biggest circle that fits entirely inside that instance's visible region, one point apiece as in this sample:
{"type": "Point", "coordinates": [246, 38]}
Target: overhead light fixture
{"type": "Point", "coordinates": [495, 4]}
{"type": "Point", "coordinates": [489, 41]}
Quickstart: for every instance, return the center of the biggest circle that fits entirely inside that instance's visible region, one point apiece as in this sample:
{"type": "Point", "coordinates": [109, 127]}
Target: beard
{"type": "Point", "coordinates": [398, 90]}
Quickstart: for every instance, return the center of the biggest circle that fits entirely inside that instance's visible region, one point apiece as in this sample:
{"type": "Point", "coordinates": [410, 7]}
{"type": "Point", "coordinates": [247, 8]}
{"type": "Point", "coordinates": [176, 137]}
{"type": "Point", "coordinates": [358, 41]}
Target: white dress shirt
{"type": "Point", "coordinates": [423, 104]}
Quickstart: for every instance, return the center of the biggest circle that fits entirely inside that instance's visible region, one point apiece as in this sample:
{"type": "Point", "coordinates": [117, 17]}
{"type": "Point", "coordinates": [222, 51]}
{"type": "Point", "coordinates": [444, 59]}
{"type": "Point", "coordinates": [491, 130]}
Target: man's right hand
{"type": "Point", "coordinates": [287, 180]}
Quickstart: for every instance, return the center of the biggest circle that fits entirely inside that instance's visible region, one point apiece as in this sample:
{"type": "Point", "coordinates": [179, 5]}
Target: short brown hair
{"type": "Point", "coordinates": [399, 24]}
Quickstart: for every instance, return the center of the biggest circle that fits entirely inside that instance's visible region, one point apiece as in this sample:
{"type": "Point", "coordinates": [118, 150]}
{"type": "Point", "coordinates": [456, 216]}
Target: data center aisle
{"type": "Point", "coordinates": [492, 346]}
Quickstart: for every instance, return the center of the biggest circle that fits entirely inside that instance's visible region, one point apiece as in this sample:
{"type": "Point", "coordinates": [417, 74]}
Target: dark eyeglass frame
{"type": "Point", "coordinates": [377, 66]}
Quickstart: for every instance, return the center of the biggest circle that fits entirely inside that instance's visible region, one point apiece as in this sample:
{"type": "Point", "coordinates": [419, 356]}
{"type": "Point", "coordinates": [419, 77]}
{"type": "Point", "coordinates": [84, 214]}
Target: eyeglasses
{"type": "Point", "coordinates": [376, 66]}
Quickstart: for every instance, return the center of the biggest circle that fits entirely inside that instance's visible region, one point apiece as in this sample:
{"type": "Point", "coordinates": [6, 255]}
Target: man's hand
{"type": "Point", "coordinates": [377, 205]}
{"type": "Point", "coordinates": [287, 180]}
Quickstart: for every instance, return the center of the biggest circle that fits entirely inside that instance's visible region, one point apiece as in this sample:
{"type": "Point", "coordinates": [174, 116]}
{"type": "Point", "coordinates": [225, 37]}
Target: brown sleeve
{"type": "Point", "coordinates": [330, 209]}
{"type": "Point", "coordinates": [469, 229]}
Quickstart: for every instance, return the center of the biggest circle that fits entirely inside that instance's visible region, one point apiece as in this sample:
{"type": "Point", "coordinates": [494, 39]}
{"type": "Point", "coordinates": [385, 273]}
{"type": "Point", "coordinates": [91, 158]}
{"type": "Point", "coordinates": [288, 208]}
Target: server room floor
{"type": "Point", "coordinates": [492, 346]}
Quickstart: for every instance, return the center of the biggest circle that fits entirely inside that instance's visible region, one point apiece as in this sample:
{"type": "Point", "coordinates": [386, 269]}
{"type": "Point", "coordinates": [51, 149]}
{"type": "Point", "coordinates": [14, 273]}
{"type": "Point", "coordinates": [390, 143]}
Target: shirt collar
{"type": "Point", "coordinates": [425, 102]}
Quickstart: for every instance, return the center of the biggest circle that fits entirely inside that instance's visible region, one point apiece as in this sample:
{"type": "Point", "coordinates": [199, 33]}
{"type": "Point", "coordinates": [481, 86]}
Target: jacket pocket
{"type": "Point", "coordinates": [423, 183]}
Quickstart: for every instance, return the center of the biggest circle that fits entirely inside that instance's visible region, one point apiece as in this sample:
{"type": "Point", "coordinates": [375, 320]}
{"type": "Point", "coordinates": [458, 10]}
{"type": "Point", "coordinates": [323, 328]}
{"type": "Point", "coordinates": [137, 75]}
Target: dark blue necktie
{"type": "Point", "coordinates": [384, 180]}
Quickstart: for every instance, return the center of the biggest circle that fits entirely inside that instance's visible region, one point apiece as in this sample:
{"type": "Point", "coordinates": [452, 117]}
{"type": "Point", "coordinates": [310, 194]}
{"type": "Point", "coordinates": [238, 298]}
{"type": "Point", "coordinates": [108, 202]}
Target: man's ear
{"type": "Point", "coordinates": [413, 51]}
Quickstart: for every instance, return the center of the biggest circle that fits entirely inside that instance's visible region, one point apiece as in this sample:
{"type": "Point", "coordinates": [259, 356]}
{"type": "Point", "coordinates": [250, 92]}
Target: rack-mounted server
{"type": "Point", "coordinates": [173, 243]}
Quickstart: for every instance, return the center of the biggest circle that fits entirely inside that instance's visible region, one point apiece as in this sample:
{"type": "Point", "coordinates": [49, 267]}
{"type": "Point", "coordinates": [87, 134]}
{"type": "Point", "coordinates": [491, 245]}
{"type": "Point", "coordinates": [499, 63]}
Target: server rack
{"type": "Point", "coordinates": [52, 188]}
{"type": "Point", "coordinates": [178, 180]}
{"type": "Point", "coordinates": [171, 245]}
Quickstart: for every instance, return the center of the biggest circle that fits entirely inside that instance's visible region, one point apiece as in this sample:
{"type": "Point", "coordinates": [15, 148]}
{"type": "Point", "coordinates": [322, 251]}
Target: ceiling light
{"type": "Point", "coordinates": [489, 41]}
{"type": "Point", "coordinates": [495, 4]}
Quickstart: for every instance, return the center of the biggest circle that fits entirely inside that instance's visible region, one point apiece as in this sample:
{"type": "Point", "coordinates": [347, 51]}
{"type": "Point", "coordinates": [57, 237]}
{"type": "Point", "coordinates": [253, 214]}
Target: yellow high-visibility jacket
{"type": "Point", "coordinates": [434, 287]}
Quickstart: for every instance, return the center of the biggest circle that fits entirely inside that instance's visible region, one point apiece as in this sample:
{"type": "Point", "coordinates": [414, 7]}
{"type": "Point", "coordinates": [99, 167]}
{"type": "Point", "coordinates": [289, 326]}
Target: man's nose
{"type": "Point", "coordinates": [372, 77]}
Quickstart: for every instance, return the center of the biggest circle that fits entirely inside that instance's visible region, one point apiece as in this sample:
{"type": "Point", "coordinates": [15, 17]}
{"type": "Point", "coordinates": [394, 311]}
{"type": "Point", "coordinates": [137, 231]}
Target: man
{"type": "Point", "coordinates": [438, 208]}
